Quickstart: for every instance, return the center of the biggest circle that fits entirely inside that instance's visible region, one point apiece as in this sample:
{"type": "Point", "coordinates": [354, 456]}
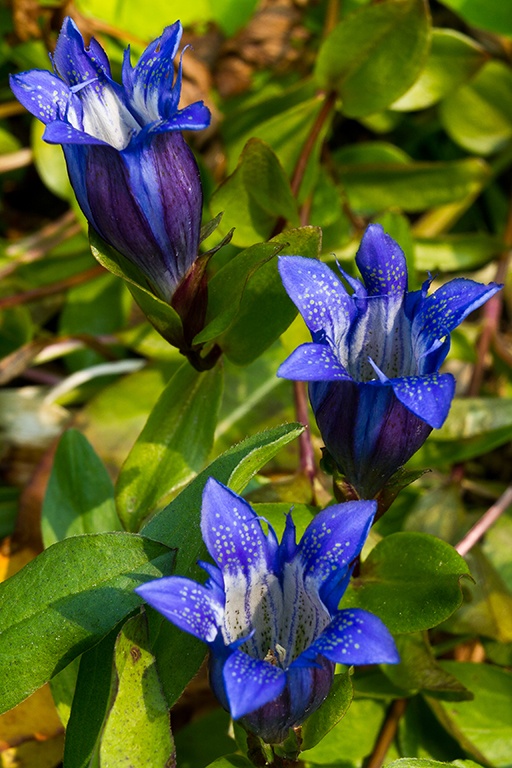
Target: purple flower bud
{"type": "Point", "coordinates": [135, 178]}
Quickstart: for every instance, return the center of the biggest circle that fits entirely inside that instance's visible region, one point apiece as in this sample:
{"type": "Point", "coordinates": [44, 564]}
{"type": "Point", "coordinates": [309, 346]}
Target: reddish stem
{"type": "Point", "coordinates": [485, 522]}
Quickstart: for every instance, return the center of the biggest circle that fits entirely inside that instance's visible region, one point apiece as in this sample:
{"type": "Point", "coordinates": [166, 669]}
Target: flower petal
{"type": "Point", "coordinates": [150, 83]}
{"type": "Point", "coordinates": [232, 532]}
{"type": "Point", "coordinates": [60, 132]}
{"type": "Point", "coordinates": [334, 537]}
{"type": "Point", "coordinates": [250, 683]}
{"type": "Point", "coordinates": [354, 637]}
{"type": "Point", "coordinates": [194, 117]}
{"type": "Point", "coordinates": [441, 312]}
{"type": "Point", "coordinates": [74, 63]}
{"type": "Point", "coordinates": [42, 93]}
{"type": "Point", "coordinates": [428, 397]}
{"type": "Point", "coordinates": [381, 262]}
{"type": "Point", "coordinates": [318, 295]}
{"type": "Point", "coordinates": [189, 605]}
{"type": "Point", "coordinates": [312, 362]}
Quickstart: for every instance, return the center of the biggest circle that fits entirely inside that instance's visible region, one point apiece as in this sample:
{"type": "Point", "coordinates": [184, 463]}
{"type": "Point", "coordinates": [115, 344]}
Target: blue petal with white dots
{"type": "Point", "coordinates": [186, 603]}
{"type": "Point", "coordinates": [382, 263]}
{"type": "Point", "coordinates": [354, 636]}
{"type": "Point", "coordinates": [313, 362]}
{"type": "Point", "coordinates": [250, 683]}
{"type": "Point", "coordinates": [429, 397]}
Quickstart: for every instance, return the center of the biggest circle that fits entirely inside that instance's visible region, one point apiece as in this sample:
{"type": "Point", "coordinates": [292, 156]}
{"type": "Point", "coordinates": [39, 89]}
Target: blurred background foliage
{"type": "Point", "coordinates": [420, 140]}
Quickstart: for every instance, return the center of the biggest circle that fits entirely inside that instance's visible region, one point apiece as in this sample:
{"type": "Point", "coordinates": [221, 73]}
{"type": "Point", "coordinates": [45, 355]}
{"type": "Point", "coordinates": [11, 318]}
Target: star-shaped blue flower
{"type": "Point", "coordinates": [269, 611]}
{"type": "Point", "coordinates": [375, 389]}
{"type": "Point", "coordinates": [134, 177]}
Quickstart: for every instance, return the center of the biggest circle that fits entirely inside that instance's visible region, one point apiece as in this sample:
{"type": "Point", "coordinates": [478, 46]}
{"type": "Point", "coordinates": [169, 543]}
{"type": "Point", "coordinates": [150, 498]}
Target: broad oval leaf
{"type": "Point", "coordinates": [410, 580]}
{"type": "Point", "coordinates": [66, 600]}
{"type": "Point", "coordinates": [453, 59]}
{"type": "Point", "coordinates": [478, 116]}
{"type": "Point", "coordinates": [174, 444]}
{"type": "Point", "coordinates": [375, 54]}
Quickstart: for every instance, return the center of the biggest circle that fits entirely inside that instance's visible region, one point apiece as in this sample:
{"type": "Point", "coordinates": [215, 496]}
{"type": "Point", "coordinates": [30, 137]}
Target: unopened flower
{"type": "Point", "coordinates": [374, 360]}
{"type": "Point", "coordinates": [269, 611]}
{"type": "Point", "coordinates": [135, 178]}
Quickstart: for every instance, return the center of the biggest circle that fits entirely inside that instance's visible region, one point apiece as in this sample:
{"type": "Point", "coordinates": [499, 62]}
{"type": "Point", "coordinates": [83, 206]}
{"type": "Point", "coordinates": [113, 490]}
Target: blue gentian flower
{"type": "Point", "coordinates": [135, 178]}
{"type": "Point", "coordinates": [373, 364]}
{"type": "Point", "coordinates": [269, 611]}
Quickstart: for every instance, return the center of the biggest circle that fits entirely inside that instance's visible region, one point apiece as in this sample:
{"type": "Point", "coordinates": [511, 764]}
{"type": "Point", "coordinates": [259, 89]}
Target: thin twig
{"type": "Point", "coordinates": [387, 734]}
{"type": "Point", "coordinates": [49, 290]}
{"type": "Point", "coordinates": [485, 522]}
{"type": "Point", "coordinates": [302, 162]}
{"type": "Point", "coordinates": [307, 456]}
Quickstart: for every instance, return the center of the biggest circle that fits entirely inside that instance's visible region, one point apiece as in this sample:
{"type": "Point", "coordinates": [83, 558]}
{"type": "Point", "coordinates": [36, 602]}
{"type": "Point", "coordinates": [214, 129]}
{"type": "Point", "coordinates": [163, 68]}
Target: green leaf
{"type": "Point", "coordinates": [475, 425]}
{"type": "Point", "coordinates": [374, 55]}
{"type": "Point", "coordinates": [266, 311]}
{"type": "Point", "coordinates": [419, 671]}
{"type": "Point", "coordinates": [204, 740]}
{"type": "Point", "coordinates": [478, 116]}
{"type": "Point", "coordinates": [179, 523]}
{"type": "Point", "coordinates": [98, 307]}
{"type": "Point", "coordinates": [92, 693]}
{"type": "Point", "coordinates": [227, 286]}
{"type": "Point", "coordinates": [330, 713]}
{"type": "Point", "coordinates": [231, 761]}
{"type": "Point", "coordinates": [170, 644]}
{"type": "Point", "coordinates": [413, 186]}
{"type": "Point", "coordinates": [173, 446]}
{"type": "Point", "coordinates": [438, 511]}
{"type": "Point", "coordinates": [351, 739]}
{"type": "Point", "coordinates": [370, 152]}
{"type": "Point", "coordinates": [493, 14]}
{"type": "Point", "coordinates": [483, 727]}
{"type": "Point", "coordinates": [130, 15]}
{"type": "Point", "coordinates": [66, 600]}
{"type": "Point", "coordinates": [487, 607]}
{"type": "Point", "coordinates": [255, 195]}
{"type": "Point", "coordinates": [80, 495]}
{"type": "Point", "coordinates": [452, 253]}
{"type": "Point", "coordinates": [62, 686]}
{"type": "Point", "coordinates": [161, 316]}
{"type": "Point", "coordinates": [409, 580]}
{"type": "Point", "coordinates": [137, 727]}
{"type": "Point", "coordinates": [453, 59]}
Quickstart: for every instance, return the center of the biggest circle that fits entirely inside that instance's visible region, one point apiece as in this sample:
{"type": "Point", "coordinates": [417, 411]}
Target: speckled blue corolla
{"type": "Point", "coordinates": [373, 364]}
{"type": "Point", "coordinates": [269, 611]}
{"type": "Point", "coordinates": [135, 178]}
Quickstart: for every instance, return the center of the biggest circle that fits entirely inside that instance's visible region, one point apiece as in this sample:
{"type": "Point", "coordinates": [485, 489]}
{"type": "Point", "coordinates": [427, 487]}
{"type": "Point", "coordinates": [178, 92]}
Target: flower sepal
{"type": "Point", "coordinates": [343, 491]}
{"type": "Point", "coordinates": [176, 324]}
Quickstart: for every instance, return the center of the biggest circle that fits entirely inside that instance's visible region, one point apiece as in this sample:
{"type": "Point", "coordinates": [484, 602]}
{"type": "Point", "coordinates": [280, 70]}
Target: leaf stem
{"type": "Point", "coordinates": [49, 290]}
{"type": "Point", "coordinates": [387, 734]}
{"type": "Point", "coordinates": [485, 522]}
{"type": "Point", "coordinates": [307, 149]}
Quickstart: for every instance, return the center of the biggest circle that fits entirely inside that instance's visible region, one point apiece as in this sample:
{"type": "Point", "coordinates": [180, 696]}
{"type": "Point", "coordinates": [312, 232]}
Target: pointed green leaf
{"type": "Point", "coordinates": [330, 713]}
{"type": "Point", "coordinates": [179, 523]}
{"type": "Point", "coordinates": [266, 311]}
{"type": "Point", "coordinates": [137, 727]}
{"type": "Point", "coordinates": [80, 495]}
{"type": "Point", "coordinates": [66, 600]}
{"type": "Point", "coordinates": [174, 444]}
{"type": "Point", "coordinates": [255, 195]}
